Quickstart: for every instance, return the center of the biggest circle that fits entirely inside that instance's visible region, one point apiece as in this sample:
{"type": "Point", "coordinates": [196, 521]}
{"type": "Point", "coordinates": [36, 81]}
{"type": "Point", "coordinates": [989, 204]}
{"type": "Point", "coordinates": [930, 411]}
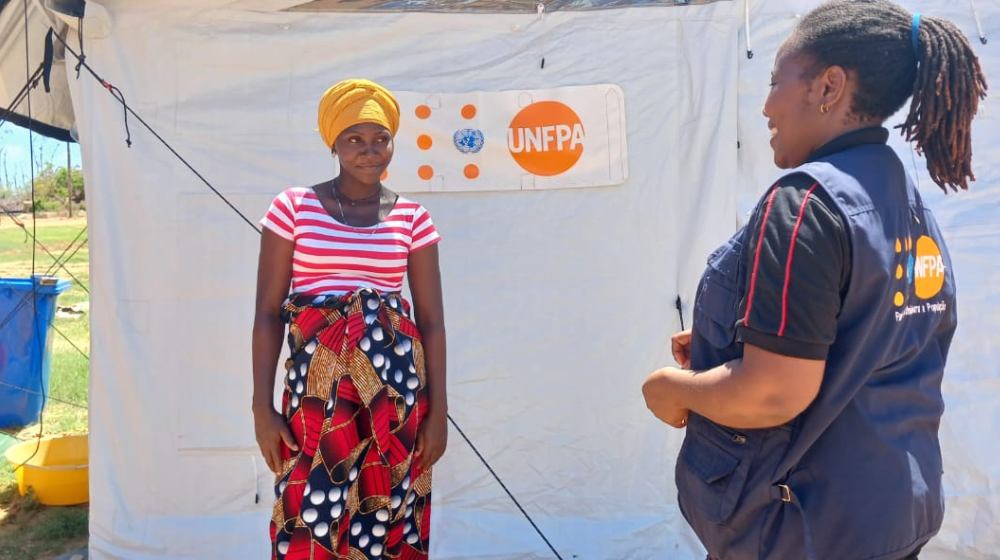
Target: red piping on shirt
{"type": "Point", "coordinates": [756, 258]}
{"type": "Point", "coordinates": [788, 265]}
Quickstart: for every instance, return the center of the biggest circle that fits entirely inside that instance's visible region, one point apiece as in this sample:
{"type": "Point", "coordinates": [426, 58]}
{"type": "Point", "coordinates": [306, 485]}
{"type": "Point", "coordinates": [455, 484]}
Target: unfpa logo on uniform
{"type": "Point", "coordinates": [928, 270]}
{"type": "Point", "coordinates": [924, 271]}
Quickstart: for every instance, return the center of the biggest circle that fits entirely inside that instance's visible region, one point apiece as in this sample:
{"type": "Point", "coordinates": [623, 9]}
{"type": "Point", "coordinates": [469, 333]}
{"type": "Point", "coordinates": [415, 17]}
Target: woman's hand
{"type": "Point", "coordinates": [271, 430]}
{"type": "Point", "coordinates": [680, 345]}
{"type": "Point", "coordinates": [662, 397]}
{"type": "Point", "coordinates": [432, 439]}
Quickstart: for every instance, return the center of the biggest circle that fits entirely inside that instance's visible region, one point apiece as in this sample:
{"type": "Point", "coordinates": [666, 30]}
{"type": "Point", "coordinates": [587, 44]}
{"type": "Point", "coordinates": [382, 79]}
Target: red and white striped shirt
{"type": "Point", "coordinates": [333, 258]}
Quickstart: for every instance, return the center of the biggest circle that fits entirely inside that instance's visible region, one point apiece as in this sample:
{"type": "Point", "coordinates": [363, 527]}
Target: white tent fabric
{"type": "Point", "coordinates": [558, 302]}
{"type": "Point", "coordinates": [52, 111]}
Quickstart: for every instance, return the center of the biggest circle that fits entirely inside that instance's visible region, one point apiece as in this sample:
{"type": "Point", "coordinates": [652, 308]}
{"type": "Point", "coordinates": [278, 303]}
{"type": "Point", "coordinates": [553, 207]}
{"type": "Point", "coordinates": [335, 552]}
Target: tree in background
{"type": "Point", "coordinates": [51, 185]}
{"type": "Point", "coordinates": [51, 191]}
{"type": "Point", "coordinates": [23, 154]}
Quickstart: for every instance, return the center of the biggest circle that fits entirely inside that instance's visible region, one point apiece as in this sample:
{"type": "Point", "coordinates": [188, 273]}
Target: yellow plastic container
{"type": "Point", "coordinates": [57, 473]}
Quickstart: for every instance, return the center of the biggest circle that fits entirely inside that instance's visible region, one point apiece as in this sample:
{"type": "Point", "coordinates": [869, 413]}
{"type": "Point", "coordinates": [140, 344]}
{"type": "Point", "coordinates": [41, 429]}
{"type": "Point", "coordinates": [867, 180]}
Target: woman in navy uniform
{"type": "Point", "coordinates": [810, 383]}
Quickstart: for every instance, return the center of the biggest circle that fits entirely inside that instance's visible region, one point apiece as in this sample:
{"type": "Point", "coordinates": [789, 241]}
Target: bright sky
{"type": "Point", "coordinates": [15, 163]}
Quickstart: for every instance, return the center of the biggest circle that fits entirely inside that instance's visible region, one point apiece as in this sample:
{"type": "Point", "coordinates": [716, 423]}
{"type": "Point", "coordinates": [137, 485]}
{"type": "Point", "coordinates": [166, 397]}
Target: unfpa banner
{"type": "Point", "coordinates": [510, 140]}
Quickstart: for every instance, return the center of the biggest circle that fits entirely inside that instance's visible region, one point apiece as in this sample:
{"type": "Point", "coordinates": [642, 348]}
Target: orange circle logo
{"type": "Point", "coordinates": [546, 138]}
{"type": "Point", "coordinates": [928, 268]}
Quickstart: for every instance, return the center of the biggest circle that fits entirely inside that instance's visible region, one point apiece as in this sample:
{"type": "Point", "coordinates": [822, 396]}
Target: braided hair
{"type": "Point", "coordinates": [873, 40]}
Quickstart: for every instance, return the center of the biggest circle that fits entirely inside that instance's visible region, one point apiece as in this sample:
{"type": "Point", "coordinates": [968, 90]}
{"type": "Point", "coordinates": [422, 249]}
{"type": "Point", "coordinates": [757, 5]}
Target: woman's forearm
{"type": "Point", "coordinates": [726, 395]}
{"type": "Point", "coordinates": [761, 390]}
{"type": "Point", "coordinates": [268, 331]}
{"type": "Point", "coordinates": [435, 352]}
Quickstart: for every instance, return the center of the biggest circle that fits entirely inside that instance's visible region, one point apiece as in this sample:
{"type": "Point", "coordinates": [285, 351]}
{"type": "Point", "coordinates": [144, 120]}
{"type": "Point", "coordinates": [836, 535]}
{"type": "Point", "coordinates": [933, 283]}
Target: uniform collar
{"type": "Point", "coordinates": [868, 135]}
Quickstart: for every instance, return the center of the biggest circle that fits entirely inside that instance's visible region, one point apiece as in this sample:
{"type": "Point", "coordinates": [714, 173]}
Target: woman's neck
{"type": "Point", "coordinates": [350, 189]}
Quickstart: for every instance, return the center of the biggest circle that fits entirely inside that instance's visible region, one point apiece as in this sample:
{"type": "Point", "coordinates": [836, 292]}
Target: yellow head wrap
{"type": "Point", "coordinates": [356, 101]}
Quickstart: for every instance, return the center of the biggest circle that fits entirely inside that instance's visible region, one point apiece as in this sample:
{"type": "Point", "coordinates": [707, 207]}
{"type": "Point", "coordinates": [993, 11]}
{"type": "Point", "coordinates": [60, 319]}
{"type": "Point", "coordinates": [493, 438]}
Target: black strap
{"type": "Point", "coordinates": [787, 496]}
{"type": "Point", "coordinates": [47, 61]}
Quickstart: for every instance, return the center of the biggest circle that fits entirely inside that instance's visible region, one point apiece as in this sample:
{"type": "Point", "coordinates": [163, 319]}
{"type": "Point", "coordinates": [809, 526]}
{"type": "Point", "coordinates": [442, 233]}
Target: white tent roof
{"type": "Point", "coordinates": [558, 301]}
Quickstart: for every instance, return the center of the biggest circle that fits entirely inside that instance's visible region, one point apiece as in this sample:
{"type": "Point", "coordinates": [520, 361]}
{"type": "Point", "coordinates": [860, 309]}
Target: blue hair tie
{"type": "Point", "coordinates": [915, 34]}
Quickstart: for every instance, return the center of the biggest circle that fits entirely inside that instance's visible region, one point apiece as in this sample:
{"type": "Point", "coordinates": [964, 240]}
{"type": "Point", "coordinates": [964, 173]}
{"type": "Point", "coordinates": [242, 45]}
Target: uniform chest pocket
{"type": "Point", "coordinates": [717, 304]}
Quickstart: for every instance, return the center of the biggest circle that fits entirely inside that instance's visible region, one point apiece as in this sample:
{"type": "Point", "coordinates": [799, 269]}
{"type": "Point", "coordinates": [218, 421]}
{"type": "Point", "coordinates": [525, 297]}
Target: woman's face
{"type": "Point", "coordinates": [793, 111]}
{"type": "Point", "coordinates": [364, 151]}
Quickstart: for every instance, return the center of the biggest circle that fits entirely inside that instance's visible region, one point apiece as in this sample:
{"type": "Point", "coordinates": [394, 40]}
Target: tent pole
{"type": "Point", "coordinates": [69, 182]}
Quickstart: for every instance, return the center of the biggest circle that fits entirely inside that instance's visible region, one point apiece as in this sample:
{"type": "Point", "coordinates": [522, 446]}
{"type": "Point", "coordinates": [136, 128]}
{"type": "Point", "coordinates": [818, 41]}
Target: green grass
{"type": "Point", "coordinates": [65, 521]}
{"type": "Point", "coordinates": [34, 531]}
{"type": "Point", "coordinates": [8, 482]}
{"type": "Point", "coordinates": [27, 528]}
{"type": "Point", "coordinates": [55, 237]}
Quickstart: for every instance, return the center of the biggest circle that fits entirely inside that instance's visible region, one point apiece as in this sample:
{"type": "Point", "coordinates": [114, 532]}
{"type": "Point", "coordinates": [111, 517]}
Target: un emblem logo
{"type": "Point", "coordinates": [468, 140]}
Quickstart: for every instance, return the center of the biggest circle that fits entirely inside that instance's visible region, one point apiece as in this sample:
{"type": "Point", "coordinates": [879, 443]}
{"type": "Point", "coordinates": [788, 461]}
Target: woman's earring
{"type": "Point", "coordinates": [823, 109]}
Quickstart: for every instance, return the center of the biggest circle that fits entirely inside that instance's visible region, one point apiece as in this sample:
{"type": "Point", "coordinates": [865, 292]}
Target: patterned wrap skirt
{"type": "Point", "coordinates": [355, 393]}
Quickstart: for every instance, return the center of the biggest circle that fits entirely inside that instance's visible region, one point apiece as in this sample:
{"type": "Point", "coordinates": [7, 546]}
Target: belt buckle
{"type": "Point", "coordinates": [786, 493]}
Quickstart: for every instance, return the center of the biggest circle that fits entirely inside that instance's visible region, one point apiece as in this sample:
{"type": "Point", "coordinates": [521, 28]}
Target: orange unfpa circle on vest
{"type": "Point", "coordinates": [469, 111]}
{"type": "Point", "coordinates": [425, 172]}
{"type": "Point", "coordinates": [546, 138]}
{"type": "Point", "coordinates": [471, 171]}
{"type": "Point", "coordinates": [422, 111]}
{"type": "Point", "coordinates": [928, 268]}
{"type": "Point", "coordinates": [424, 142]}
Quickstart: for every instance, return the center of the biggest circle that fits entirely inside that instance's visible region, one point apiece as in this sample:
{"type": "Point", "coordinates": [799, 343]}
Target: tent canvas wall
{"type": "Point", "coordinates": [558, 301]}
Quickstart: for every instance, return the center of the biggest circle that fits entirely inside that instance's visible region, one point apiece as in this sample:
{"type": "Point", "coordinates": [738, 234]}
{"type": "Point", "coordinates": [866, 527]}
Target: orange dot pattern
{"type": "Point", "coordinates": [425, 142]}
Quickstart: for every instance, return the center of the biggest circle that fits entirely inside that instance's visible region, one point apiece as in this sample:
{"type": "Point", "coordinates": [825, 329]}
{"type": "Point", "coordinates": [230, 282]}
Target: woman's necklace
{"type": "Point", "coordinates": [353, 201]}
{"type": "Point", "coordinates": [335, 188]}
